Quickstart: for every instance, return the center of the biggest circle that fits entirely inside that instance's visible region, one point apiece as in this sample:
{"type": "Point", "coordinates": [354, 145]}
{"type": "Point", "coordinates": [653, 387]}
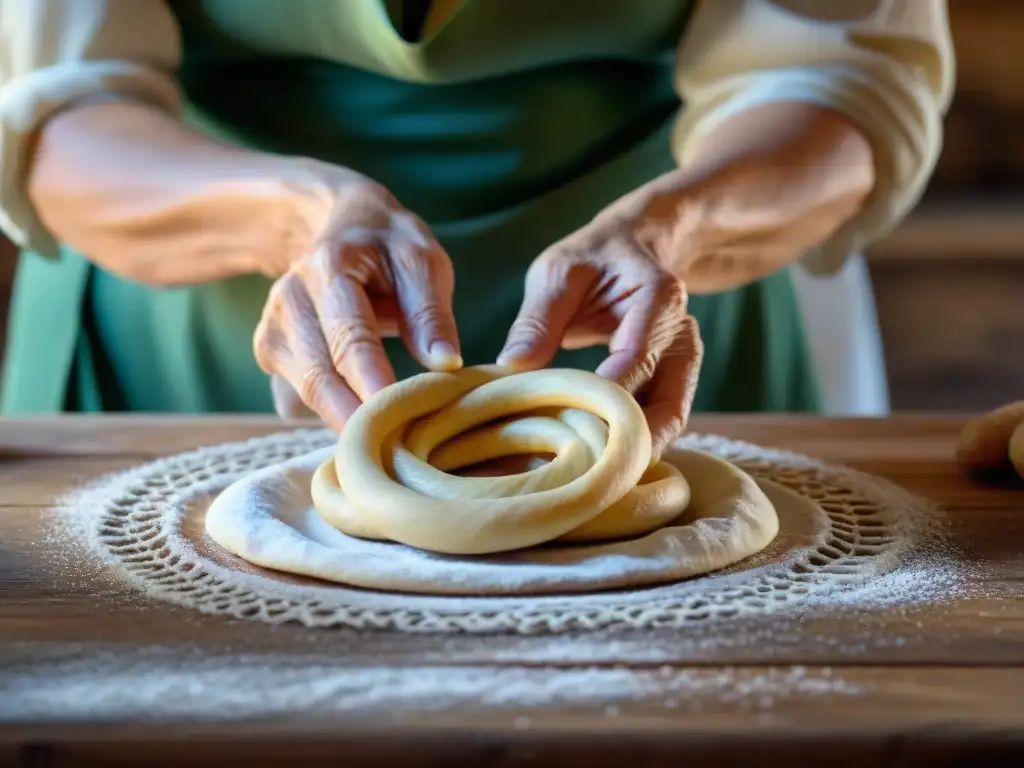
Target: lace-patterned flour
{"type": "Point", "coordinates": [867, 548]}
{"type": "Point", "coordinates": [865, 543]}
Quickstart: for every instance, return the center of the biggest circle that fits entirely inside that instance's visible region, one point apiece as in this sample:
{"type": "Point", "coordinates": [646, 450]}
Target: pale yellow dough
{"type": "Point", "coordinates": [611, 517]}
{"type": "Point", "coordinates": [389, 476]}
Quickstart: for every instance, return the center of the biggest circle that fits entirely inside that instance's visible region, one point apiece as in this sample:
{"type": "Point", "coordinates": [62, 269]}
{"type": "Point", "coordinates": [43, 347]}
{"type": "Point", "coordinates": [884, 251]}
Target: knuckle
{"type": "Point", "coordinates": [672, 427]}
{"type": "Point", "coordinates": [437, 261]}
{"type": "Point", "coordinates": [550, 267]}
{"type": "Point", "coordinates": [420, 269]}
{"type": "Point", "coordinates": [427, 315]}
{"type": "Point", "coordinates": [351, 337]}
{"type": "Point", "coordinates": [267, 337]}
{"type": "Point", "coordinates": [550, 274]}
{"type": "Point", "coordinates": [687, 341]}
{"type": "Point", "coordinates": [364, 202]}
{"type": "Point", "coordinates": [675, 418]}
{"type": "Point", "coordinates": [274, 296]}
{"type": "Point", "coordinates": [666, 329]}
{"type": "Point", "coordinates": [286, 291]}
{"type": "Point", "coordinates": [354, 260]}
{"type": "Point", "coordinates": [528, 328]}
{"type": "Point", "coordinates": [290, 306]}
{"type": "Point", "coordinates": [315, 378]}
{"type": "Point", "coordinates": [554, 261]}
{"type": "Point", "coordinates": [267, 347]}
{"type": "Point", "coordinates": [375, 191]}
{"type": "Point", "coordinates": [669, 290]}
{"type": "Point", "coordinates": [642, 371]}
{"type": "Point", "coordinates": [693, 338]}
{"type": "Point", "coordinates": [412, 232]}
{"type": "Point", "coordinates": [416, 253]}
{"type": "Point", "coordinates": [648, 364]}
{"type": "Point", "coordinates": [261, 347]}
{"type": "Point", "coordinates": [319, 262]}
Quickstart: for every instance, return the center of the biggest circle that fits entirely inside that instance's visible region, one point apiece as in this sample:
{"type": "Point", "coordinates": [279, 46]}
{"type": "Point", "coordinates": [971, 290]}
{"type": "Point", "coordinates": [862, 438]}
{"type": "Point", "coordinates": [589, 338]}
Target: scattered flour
{"type": "Point", "coordinates": [870, 546]}
{"type": "Point", "coordinates": [880, 553]}
{"type": "Point", "coordinates": [105, 687]}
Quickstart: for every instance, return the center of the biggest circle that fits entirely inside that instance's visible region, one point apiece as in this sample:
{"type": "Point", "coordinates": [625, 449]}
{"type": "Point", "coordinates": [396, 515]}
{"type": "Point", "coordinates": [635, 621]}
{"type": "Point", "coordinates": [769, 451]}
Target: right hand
{"type": "Point", "coordinates": [374, 271]}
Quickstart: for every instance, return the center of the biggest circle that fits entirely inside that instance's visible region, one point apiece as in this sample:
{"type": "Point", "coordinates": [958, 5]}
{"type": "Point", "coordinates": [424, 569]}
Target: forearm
{"type": "Point", "coordinates": [146, 198]}
{"type": "Point", "coordinates": [771, 183]}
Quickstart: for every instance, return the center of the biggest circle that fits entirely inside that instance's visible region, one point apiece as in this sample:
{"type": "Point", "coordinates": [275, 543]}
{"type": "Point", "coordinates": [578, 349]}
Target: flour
{"type": "Point", "coordinates": [867, 545]}
{"type": "Point", "coordinates": [111, 686]}
{"type": "Point", "coordinates": [268, 518]}
{"type": "Point", "coordinates": [873, 553]}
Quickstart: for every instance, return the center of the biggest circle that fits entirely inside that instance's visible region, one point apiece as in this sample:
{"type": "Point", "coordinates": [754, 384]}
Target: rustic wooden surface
{"type": "Point", "coordinates": [941, 686]}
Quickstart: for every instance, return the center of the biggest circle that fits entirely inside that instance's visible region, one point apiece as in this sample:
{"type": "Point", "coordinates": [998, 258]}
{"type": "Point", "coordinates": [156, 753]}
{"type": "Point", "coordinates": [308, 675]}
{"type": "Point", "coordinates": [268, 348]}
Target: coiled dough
{"type": "Point", "coordinates": [390, 475]}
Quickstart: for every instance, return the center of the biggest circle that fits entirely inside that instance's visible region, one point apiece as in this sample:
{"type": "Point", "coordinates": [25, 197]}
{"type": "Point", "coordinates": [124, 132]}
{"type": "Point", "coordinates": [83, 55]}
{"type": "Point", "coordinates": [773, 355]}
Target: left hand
{"type": "Point", "coordinates": [604, 284]}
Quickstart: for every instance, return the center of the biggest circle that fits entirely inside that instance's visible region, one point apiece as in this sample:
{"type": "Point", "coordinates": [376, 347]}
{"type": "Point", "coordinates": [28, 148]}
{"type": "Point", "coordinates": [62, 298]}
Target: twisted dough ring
{"type": "Point", "coordinates": [395, 453]}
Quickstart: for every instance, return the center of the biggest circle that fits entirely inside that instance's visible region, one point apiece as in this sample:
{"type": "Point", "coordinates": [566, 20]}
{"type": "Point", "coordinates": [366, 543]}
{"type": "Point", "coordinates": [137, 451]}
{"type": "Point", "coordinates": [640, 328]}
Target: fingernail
{"type": "Point", "coordinates": [514, 354]}
{"type": "Point", "coordinates": [443, 357]}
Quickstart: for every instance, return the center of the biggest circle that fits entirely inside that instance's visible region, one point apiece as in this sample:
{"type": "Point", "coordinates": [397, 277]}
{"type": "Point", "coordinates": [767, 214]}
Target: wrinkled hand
{"type": "Point", "coordinates": [603, 284]}
{"type": "Point", "coordinates": [375, 271]}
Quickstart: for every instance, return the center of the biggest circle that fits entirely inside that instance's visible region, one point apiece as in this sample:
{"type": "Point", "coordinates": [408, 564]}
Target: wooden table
{"type": "Point", "coordinates": [942, 686]}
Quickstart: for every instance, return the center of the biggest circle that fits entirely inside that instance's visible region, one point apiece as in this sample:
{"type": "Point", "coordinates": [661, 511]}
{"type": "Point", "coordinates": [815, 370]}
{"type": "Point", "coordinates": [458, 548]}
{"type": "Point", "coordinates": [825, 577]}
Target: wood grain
{"type": "Point", "coordinates": [902, 717]}
{"type": "Point", "coordinates": [931, 686]}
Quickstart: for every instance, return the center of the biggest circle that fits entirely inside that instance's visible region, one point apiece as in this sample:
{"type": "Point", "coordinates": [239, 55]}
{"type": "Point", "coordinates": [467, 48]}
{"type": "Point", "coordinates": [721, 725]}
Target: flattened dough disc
{"type": "Point", "coordinates": [268, 519]}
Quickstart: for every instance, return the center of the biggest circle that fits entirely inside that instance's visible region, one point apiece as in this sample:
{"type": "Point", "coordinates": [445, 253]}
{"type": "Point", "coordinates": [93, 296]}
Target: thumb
{"type": "Point", "coordinates": [553, 298]}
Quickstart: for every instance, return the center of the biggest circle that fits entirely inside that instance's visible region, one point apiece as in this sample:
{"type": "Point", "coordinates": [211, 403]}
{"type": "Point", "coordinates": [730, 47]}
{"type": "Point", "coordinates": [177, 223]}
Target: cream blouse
{"type": "Point", "coordinates": [890, 70]}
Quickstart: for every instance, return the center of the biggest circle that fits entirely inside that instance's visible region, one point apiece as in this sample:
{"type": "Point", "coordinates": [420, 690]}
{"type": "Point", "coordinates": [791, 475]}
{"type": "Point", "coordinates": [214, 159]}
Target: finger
{"type": "Point", "coordinates": [592, 331]}
{"type": "Point", "coordinates": [290, 343]}
{"type": "Point", "coordinates": [671, 392]}
{"type": "Point", "coordinates": [388, 312]}
{"type": "Point", "coordinates": [425, 315]}
{"type": "Point", "coordinates": [653, 319]}
{"type": "Point", "coordinates": [287, 403]}
{"type": "Point", "coordinates": [424, 284]}
{"type": "Point", "coordinates": [347, 321]}
{"type": "Point", "coordinates": [557, 286]}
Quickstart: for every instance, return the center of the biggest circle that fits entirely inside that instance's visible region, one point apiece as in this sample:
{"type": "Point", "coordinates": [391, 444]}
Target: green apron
{"type": "Point", "coordinates": [503, 141]}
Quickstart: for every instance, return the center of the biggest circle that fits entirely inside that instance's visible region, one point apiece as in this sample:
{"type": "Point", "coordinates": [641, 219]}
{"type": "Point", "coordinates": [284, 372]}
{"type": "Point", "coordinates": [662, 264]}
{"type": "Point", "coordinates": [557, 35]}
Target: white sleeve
{"type": "Point", "coordinates": [56, 52]}
{"type": "Point", "coordinates": [890, 70]}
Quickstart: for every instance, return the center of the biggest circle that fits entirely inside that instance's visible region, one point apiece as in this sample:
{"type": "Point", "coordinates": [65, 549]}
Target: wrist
{"type": "Point", "coordinates": [672, 217]}
{"type": "Point", "coordinates": [752, 215]}
{"type": "Point", "coordinates": [303, 198]}
{"type": "Point", "coordinates": [294, 200]}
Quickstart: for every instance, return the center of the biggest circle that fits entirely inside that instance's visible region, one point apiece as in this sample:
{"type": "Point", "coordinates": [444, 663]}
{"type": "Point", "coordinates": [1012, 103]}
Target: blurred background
{"type": "Point", "coordinates": [950, 282]}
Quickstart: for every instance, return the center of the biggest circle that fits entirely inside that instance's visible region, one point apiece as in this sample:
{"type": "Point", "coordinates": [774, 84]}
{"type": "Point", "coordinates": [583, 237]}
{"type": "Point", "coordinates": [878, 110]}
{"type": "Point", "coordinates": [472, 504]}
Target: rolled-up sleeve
{"type": "Point", "coordinates": [57, 52]}
{"type": "Point", "coordinates": [890, 71]}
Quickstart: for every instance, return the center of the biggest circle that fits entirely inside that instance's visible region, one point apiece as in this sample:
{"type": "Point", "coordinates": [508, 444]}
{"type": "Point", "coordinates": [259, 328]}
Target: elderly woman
{"type": "Point", "coordinates": [356, 190]}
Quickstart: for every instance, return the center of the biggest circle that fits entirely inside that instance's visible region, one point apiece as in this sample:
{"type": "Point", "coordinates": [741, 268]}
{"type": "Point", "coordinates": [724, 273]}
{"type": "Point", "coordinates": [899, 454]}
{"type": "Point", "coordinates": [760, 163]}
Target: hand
{"type": "Point", "coordinates": [604, 284]}
{"type": "Point", "coordinates": [374, 271]}
{"type": "Point", "coordinates": [769, 184]}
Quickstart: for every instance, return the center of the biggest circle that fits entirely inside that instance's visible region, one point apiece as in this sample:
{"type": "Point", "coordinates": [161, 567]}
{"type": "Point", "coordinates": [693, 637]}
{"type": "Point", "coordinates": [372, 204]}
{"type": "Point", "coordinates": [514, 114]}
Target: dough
{"type": "Point", "coordinates": [402, 516]}
{"type": "Point", "coordinates": [993, 442]}
{"type": "Point", "coordinates": [983, 445]}
{"type": "Point", "coordinates": [392, 456]}
{"type": "Point", "coordinates": [268, 519]}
